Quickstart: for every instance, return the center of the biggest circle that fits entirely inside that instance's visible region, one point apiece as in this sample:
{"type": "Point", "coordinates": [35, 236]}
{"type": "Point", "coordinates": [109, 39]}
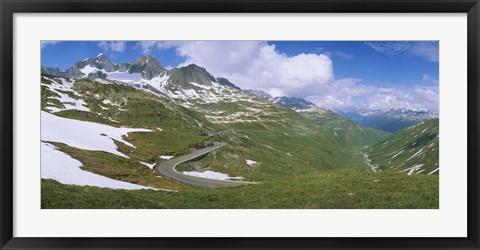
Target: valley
{"type": "Point", "coordinates": [138, 135]}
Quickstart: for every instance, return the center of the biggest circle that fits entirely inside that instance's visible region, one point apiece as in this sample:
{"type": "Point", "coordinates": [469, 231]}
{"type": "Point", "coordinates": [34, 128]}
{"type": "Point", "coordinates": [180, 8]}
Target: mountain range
{"type": "Point", "coordinates": [146, 68]}
{"type": "Point", "coordinates": [118, 121]}
{"type": "Point", "coordinates": [98, 67]}
{"type": "Point", "coordinates": [222, 104]}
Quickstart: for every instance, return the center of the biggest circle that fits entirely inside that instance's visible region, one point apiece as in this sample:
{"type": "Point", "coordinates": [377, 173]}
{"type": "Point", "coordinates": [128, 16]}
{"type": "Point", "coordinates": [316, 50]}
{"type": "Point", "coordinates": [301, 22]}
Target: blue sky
{"type": "Point", "coordinates": [359, 60]}
{"type": "Point", "coordinates": [341, 75]}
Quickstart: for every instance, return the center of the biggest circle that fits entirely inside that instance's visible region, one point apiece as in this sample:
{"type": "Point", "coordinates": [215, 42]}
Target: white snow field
{"type": "Point", "coordinates": [64, 169]}
{"type": "Point", "coordinates": [84, 135]}
{"type": "Point", "coordinates": [211, 175]}
{"type": "Point", "coordinates": [89, 69]}
{"type": "Point", "coordinates": [124, 76]}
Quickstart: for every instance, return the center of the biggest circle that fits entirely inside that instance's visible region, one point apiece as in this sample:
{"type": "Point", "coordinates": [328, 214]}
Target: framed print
{"type": "Point", "coordinates": [246, 125]}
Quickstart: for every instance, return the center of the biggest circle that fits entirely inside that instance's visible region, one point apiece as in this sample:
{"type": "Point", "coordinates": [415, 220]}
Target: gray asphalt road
{"type": "Point", "coordinates": [168, 169]}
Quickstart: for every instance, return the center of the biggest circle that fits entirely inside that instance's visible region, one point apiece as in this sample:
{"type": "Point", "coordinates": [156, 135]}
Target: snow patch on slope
{"type": "Point", "coordinates": [149, 165]}
{"type": "Point", "coordinates": [61, 167]}
{"type": "Point", "coordinates": [413, 169]}
{"type": "Point", "coordinates": [210, 175]}
{"type": "Point", "coordinates": [84, 135]}
{"type": "Point", "coordinates": [166, 157]}
{"type": "Point", "coordinates": [435, 170]}
{"type": "Point", "coordinates": [397, 154]}
{"type": "Point", "coordinates": [68, 102]}
{"type": "Point", "coordinates": [251, 162]}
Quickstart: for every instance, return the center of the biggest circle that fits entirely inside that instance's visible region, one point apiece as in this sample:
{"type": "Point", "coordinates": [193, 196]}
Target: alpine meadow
{"type": "Point", "coordinates": [239, 124]}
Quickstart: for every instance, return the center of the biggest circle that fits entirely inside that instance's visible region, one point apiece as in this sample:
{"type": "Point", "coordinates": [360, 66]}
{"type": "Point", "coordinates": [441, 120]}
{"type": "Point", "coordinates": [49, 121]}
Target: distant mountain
{"type": "Point", "coordinates": [94, 67]}
{"type": "Point", "coordinates": [294, 103]}
{"type": "Point", "coordinates": [258, 93]}
{"type": "Point", "coordinates": [413, 150]}
{"type": "Point", "coordinates": [147, 66]}
{"type": "Point", "coordinates": [391, 120]}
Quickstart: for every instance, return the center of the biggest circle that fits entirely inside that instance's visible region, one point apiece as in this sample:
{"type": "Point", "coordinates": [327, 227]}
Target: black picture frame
{"type": "Point", "coordinates": [10, 7]}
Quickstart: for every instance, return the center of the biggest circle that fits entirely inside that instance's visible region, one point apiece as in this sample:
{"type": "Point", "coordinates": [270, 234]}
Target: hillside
{"type": "Point", "coordinates": [106, 126]}
{"type": "Point", "coordinates": [279, 141]}
{"type": "Point", "coordinates": [413, 150]}
{"type": "Point", "coordinates": [322, 190]}
{"type": "Point", "coordinates": [348, 132]}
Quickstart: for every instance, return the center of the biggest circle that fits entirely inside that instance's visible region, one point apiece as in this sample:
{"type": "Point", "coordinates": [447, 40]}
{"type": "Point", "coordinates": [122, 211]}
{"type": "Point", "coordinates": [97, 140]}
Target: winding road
{"type": "Point", "coordinates": [168, 169]}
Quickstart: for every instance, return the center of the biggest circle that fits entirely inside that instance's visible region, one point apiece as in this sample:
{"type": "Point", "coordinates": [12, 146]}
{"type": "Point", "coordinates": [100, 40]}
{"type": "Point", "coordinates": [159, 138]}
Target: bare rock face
{"type": "Point", "coordinates": [123, 67]}
{"type": "Point", "coordinates": [97, 74]}
{"type": "Point", "coordinates": [191, 73]}
{"type": "Point", "coordinates": [148, 66]}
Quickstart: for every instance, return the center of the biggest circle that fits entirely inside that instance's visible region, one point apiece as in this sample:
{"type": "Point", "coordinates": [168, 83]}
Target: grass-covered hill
{"type": "Point", "coordinates": [413, 150]}
{"type": "Point", "coordinates": [299, 159]}
{"type": "Point", "coordinates": [280, 141]}
{"type": "Point", "coordinates": [347, 131]}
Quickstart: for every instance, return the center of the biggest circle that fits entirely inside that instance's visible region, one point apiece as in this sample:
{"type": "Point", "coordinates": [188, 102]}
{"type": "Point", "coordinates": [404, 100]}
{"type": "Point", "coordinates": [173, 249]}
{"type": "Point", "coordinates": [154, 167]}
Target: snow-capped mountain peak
{"type": "Point", "coordinates": [100, 67]}
{"type": "Point", "coordinates": [147, 66]}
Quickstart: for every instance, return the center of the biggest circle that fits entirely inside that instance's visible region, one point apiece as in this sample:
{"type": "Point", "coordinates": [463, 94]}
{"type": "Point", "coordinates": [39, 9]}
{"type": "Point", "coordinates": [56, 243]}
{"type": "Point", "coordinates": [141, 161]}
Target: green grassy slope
{"type": "Point", "coordinates": [331, 189]}
{"type": "Point", "coordinates": [348, 132]}
{"type": "Point", "coordinates": [133, 107]}
{"type": "Point", "coordinates": [412, 150]}
{"type": "Point", "coordinates": [296, 155]}
{"type": "Point", "coordinates": [283, 142]}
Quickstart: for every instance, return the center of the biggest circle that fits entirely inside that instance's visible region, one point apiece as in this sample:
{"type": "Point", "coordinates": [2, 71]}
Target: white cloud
{"type": "Point", "coordinates": [426, 77]}
{"type": "Point", "coordinates": [114, 46]}
{"type": "Point", "coordinates": [148, 46]}
{"type": "Point", "coordinates": [44, 44]}
{"type": "Point", "coordinates": [257, 65]}
{"type": "Point", "coordinates": [423, 49]}
{"type": "Point", "coordinates": [335, 54]}
{"type": "Point", "coordinates": [343, 55]}
{"type": "Point", "coordinates": [426, 50]}
{"type": "Point", "coordinates": [390, 48]}
{"type": "Point", "coordinates": [354, 96]}
{"type": "Point", "coordinates": [427, 97]}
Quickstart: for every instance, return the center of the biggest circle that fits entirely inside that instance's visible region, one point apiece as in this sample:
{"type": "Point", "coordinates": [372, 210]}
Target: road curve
{"type": "Point", "coordinates": [168, 169]}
